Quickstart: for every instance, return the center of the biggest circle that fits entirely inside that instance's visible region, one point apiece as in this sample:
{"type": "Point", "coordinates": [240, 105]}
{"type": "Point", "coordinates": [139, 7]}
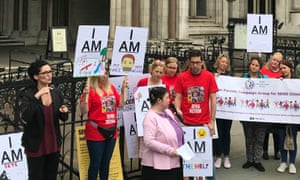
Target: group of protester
{"type": "Point", "coordinates": [257, 133]}
{"type": "Point", "coordinates": [191, 93]}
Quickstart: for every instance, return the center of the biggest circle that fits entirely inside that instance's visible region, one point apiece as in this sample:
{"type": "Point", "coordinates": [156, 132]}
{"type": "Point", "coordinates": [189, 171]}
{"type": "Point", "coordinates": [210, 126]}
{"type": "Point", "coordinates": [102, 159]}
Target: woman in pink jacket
{"type": "Point", "coordinates": [162, 136]}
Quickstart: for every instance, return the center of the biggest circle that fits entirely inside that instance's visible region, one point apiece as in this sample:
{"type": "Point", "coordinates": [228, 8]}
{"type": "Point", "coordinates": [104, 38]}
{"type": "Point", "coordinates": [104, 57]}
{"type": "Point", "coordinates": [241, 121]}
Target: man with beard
{"type": "Point", "coordinates": [201, 112]}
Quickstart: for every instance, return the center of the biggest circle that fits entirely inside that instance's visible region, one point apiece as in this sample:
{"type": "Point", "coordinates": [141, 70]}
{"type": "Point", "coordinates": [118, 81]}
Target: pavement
{"type": "Point", "coordinates": [237, 154]}
{"type": "Point", "coordinates": [238, 158]}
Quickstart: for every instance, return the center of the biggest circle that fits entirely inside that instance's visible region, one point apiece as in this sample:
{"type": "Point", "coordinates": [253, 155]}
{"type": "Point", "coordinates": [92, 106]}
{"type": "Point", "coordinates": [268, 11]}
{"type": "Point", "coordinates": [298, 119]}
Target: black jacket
{"type": "Point", "coordinates": [33, 116]}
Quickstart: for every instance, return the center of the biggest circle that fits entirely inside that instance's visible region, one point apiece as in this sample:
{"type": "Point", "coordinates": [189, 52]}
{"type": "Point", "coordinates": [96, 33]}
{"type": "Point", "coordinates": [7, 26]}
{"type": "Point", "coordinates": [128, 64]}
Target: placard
{"type": "Point", "coordinates": [91, 50]}
{"type": "Point", "coordinates": [200, 141]}
{"type": "Point", "coordinates": [13, 159]}
{"type": "Point", "coordinates": [260, 33]}
{"type": "Point", "coordinates": [129, 50]}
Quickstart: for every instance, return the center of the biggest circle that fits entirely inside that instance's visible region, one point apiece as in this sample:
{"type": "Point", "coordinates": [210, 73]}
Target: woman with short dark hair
{"type": "Point", "coordinates": [42, 107]}
{"type": "Point", "coordinates": [162, 136]}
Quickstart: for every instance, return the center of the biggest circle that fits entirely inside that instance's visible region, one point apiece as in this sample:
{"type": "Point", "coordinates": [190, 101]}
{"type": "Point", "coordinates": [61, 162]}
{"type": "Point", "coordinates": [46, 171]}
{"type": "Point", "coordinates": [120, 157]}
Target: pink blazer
{"type": "Point", "coordinates": [159, 141]}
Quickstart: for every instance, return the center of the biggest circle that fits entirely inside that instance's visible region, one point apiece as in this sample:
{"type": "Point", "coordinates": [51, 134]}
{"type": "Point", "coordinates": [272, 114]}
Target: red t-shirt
{"type": "Point", "coordinates": [103, 111]}
{"type": "Point", "coordinates": [170, 82]}
{"type": "Point", "coordinates": [265, 71]}
{"type": "Point", "coordinates": [195, 91]}
{"type": "Point", "coordinates": [144, 82]}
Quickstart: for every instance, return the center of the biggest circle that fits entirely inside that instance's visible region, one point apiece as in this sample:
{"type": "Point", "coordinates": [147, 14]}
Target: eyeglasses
{"type": "Point", "coordinates": [196, 62]}
{"type": "Point", "coordinates": [45, 73]}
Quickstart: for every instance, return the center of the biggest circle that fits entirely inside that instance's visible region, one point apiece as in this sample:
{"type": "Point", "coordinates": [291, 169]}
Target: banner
{"type": "Point", "coordinates": [129, 50]}
{"type": "Point", "coordinates": [90, 52]}
{"type": "Point", "coordinates": [13, 159]}
{"type": "Point", "coordinates": [261, 100]}
{"type": "Point", "coordinates": [115, 169]}
{"type": "Point", "coordinates": [200, 141]}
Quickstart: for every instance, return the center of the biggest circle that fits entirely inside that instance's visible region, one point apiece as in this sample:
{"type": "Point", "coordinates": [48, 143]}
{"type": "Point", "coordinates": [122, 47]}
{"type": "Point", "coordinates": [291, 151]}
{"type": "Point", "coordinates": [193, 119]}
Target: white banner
{"type": "Point", "coordinates": [129, 50]}
{"type": "Point", "coordinates": [90, 52]}
{"type": "Point", "coordinates": [259, 33]}
{"type": "Point", "coordinates": [200, 141]}
{"type": "Point", "coordinates": [261, 100]}
{"type": "Point", "coordinates": [13, 159]}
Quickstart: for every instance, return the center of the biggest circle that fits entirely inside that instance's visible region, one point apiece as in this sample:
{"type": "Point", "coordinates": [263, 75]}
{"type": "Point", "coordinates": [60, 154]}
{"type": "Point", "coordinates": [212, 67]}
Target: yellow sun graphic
{"type": "Point", "coordinates": [201, 133]}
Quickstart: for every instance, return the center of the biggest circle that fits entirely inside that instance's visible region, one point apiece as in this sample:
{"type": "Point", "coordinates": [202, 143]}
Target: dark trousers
{"type": "Point", "coordinates": [222, 144]}
{"type": "Point", "coordinates": [148, 173]}
{"type": "Point", "coordinates": [100, 153]}
{"type": "Point", "coordinates": [254, 138]}
{"type": "Point", "coordinates": [284, 153]}
{"type": "Point", "coordinates": [43, 167]}
{"type": "Point", "coordinates": [274, 130]}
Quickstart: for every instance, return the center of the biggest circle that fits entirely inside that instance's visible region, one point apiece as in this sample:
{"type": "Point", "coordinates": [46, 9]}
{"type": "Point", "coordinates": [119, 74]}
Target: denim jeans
{"type": "Point", "coordinates": [100, 153]}
{"type": "Point", "coordinates": [284, 153]}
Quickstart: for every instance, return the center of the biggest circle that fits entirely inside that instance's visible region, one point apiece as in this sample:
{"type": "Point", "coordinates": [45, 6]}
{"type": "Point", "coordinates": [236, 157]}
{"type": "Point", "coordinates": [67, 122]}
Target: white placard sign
{"type": "Point", "coordinates": [13, 159]}
{"type": "Point", "coordinates": [129, 50]}
{"type": "Point", "coordinates": [130, 134]}
{"type": "Point", "coordinates": [90, 52]}
{"type": "Point", "coordinates": [142, 105]}
{"type": "Point", "coordinates": [200, 141]}
{"type": "Point", "coordinates": [259, 33]}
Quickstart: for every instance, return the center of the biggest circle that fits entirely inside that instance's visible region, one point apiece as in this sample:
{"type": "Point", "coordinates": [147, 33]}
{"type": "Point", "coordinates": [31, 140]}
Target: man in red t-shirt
{"type": "Point", "coordinates": [196, 91]}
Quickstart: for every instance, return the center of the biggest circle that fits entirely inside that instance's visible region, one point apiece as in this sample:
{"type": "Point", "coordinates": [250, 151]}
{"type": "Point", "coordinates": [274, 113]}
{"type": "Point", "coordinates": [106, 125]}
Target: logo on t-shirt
{"type": "Point", "coordinates": [196, 94]}
{"type": "Point", "coordinates": [108, 104]}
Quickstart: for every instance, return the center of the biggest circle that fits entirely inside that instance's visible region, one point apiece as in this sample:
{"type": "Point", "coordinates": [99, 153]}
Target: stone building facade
{"type": "Point", "coordinates": [192, 21]}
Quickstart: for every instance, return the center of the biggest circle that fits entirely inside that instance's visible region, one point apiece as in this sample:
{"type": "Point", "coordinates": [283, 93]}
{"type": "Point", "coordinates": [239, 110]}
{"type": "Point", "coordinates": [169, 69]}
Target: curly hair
{"type": "Point", "coordinates": [35, 68]}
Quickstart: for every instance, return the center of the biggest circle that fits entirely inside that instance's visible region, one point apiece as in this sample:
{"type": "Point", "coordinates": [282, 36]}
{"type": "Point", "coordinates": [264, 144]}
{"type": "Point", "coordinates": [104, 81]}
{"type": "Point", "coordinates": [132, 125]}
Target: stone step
{"type": "Point", "coordinates": [3, 37]}
{"type": "Point", "coordinates": [7, 41]}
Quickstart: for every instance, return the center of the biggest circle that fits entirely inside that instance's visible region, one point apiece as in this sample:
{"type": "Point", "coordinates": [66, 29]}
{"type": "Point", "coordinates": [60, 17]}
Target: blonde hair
{"type": "Point", "coordinates": [155, 64]}
{"type": "Point", "coordinates": [276, 53]}
{"type": "Point", "coordinates": [93, 82]}
{"type": "Point", "coordinates": [216, 65]}
{"type": "Point", "coordinates": [173, 60]}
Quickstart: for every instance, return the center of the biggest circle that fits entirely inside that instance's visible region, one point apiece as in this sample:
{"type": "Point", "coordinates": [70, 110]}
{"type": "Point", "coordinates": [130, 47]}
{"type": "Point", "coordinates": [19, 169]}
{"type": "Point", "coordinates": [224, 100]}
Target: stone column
{"type": "Point", "coordinates": [135, 19]}
{"type": "Point", "coordinates": [182, 19]}
{"type": "Point", "coordinates": [7, 18]}
{"type": "Point", "coordinates": [126, 13]}
{"type": "Point", "coordinates": [115, 17]}
{"type": "Point", "coordinates": [145, 13]}
{"type": "Point", "coordinates": [172, 20]}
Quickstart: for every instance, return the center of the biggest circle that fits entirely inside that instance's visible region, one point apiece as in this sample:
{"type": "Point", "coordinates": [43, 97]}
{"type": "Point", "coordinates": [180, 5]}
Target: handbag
{"type": "Point", "coordinates": [288, 140]}
{"type": "Point", "coordinates": [107, 132]}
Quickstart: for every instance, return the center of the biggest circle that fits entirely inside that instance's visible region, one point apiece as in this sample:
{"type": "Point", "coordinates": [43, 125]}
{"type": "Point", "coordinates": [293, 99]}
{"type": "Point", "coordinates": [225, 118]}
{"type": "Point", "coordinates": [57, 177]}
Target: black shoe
{"type": "Point", "coordinates": [259, 167]}
{"type": "Point", "coordinates": [265, 156]}
{"type": "Point", "coordinates": [277, 156]}
{"type": "Point", "coordinates": [247, 165]}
